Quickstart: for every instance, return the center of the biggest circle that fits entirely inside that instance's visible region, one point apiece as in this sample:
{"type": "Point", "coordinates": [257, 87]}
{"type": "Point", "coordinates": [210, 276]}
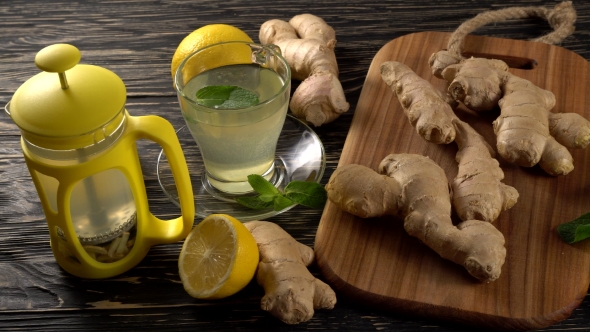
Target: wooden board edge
{"type": "Point", "coordinates": [447, 315]}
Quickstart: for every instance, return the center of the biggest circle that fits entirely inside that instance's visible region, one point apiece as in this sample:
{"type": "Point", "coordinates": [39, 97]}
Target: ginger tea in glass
{"type": "Point", "coordinates": [237, 141]}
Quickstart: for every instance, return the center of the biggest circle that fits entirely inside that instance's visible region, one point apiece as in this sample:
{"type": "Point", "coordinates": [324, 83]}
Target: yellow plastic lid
{"type": "Point", "coordinates": [62, 106]}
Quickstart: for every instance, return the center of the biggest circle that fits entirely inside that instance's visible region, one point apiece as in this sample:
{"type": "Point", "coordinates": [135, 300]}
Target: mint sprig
{"type": "Point", "coordinates": [310, 194]}
{"type": "Point", "coordinates": [226, 96]}
{"type": "Point", "coordinates": [575, 230]}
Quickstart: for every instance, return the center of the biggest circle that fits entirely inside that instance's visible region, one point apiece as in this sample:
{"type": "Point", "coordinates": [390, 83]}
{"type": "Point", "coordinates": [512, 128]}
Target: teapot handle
{"type": "Point", "coordinates": [159, 130]}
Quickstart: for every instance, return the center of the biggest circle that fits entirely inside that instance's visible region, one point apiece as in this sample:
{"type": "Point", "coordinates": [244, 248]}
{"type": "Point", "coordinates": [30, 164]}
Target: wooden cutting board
{"type": "Point", "coordinates": [375, 262]}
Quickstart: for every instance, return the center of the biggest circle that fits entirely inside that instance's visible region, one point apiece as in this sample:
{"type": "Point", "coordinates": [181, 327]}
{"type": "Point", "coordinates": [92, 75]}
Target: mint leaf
{"type": "Point", "coordinates": [240, 98]}
{"type": "Point", "coordinates": [281, 202]}
{"type": "Point", "coordinates": [226, 96]}
{"type": "Point", "coordinates": [254, 202]}
{"type": "Point", "coordinates": [575, 230]}
{"type": "Point", "coordinates": [310, 194]}
{"type": "Point", "coordinates": [267, 198]}
{"type": "Point", "coordinates": [262, 185]}
{"type": "Point", "coordinates": [213, 95]}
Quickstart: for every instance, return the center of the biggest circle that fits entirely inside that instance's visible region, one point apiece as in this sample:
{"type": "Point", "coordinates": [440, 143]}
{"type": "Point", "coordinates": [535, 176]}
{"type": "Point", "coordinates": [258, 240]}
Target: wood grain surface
{"type": "Point", "coordinates": [136, 40]}
{"type": "Point", "coordinates": [381, 263]}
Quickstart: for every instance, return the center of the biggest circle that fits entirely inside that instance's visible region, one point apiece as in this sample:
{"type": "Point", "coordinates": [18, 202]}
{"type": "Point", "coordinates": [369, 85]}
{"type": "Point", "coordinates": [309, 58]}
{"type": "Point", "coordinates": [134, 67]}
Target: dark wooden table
{"type": "Point", "coordinates": [136, 40]}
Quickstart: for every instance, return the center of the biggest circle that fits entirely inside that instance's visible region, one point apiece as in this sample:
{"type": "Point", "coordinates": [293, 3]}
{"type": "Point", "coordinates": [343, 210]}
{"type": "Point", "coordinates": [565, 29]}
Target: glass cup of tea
{"type": "Point", "coordinates": [235, 141]}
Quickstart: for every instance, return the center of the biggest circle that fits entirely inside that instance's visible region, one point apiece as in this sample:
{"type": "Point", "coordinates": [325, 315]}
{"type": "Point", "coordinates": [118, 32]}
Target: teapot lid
{"type": "Point", "coordinates": [66, 100]}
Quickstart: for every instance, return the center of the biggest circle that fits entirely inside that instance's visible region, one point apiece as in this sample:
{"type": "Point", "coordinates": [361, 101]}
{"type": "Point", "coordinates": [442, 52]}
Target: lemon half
{"type": "Point", "coordinates": [218, 258]}
{"type": "Point", "coordinates": [207, 36]}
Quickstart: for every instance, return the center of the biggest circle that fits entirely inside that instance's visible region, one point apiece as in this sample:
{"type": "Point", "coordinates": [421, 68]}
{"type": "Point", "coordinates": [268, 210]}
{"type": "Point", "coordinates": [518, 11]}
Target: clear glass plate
{"type": "Point", "coordinates": [300, 156]}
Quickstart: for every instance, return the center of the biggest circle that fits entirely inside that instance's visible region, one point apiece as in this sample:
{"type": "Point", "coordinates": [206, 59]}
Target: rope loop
{"type": "Point", "coordinates": [561, 18]}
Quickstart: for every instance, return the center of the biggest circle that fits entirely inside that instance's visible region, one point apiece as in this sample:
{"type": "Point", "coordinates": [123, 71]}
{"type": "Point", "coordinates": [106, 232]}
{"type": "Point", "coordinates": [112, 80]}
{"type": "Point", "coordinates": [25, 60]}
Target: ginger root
{"type": "Point", "coordinates": [417, 189]}
{"type": "Point", "coordinates": [478, 192]}
{"type": "Point", "coordinates": [424, 105]}
{"type": "Point", "coordinates": [291, 291]}
{"type": "Point", "coordinates": [307, 43]}
{"type": "Point", "coordinates": [527, 132]}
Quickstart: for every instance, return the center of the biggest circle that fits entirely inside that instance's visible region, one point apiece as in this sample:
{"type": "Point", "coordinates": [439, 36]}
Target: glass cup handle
{"type": "Point", "coordinates": [266, 56]}
{"type": "Point", "coordinates": [159, 130]}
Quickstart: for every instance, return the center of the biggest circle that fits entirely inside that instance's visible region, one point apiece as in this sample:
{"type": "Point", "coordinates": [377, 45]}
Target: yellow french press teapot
{"type": "Point", "coordinates": [79, 144]}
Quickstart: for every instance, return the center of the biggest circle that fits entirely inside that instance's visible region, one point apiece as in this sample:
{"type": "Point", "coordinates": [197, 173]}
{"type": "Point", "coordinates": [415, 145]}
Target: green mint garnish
{"type": "Point", "coordinates": [281, 202]}
{"type": "Point", "coordinates": [310, 194]}
{"type": "Point", "coordinates": [263, 186]}
{"type": "Point", "coordinates": [575, 230]}
{"type": "Point", "coordinates": [226, 96]}
{"type": "Point", "coordinates": [254, 202]}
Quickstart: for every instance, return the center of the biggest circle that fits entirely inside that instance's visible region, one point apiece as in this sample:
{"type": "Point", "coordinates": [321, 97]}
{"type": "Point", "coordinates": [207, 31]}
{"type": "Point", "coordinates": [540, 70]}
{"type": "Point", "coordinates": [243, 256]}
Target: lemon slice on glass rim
{"type": "Point", "coordinates": [206, 36]}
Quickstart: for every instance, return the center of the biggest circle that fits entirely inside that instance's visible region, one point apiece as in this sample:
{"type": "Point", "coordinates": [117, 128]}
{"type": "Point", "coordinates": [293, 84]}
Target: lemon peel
{"type": "Point", "coordinates": [206, 36]}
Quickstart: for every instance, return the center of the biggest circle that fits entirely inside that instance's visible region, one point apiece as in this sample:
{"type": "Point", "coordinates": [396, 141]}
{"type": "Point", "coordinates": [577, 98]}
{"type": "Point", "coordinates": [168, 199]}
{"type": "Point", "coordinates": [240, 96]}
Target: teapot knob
{"type": "Point", "coordinates": [58, 58]}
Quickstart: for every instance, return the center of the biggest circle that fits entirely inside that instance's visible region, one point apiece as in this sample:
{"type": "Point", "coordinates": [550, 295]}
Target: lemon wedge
{"type": "Point", "coordinates": [218, 258]}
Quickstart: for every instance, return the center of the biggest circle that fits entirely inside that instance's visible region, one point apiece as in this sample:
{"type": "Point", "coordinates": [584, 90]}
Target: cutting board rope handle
{"type": "Point", "coordinates": [561, 18]}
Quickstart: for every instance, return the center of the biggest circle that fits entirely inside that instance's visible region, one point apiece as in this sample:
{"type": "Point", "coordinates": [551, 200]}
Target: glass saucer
{"type": "Point", "coordinates": [299, 156]}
